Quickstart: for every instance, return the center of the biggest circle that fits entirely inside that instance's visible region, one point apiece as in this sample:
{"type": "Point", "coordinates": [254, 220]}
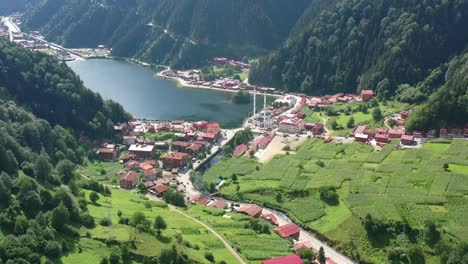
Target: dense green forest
{"type": "Point", "coordinates": [365, 44]}
{"type": "Point", "coordinates": [52, 91]}
{"type": "Point", "coordinates": [37, 211]}
{"type": "Point", "coordinates": [448, 106]}
{"type": "Point", "coordinates": [182, 33]}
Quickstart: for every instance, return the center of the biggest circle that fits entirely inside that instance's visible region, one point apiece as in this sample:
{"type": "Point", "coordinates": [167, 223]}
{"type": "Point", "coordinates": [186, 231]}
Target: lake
{"type": "Point", "coordinates": [147, 96]}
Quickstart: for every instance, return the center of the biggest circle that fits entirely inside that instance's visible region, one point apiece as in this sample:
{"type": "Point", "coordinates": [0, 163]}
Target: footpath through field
{"type": "Point", "coordinates": [225, 242]}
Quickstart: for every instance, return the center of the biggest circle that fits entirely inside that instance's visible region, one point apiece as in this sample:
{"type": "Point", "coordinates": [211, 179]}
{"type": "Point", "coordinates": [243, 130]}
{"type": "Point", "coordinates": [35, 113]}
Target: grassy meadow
{"type": "Point", "coordinates": [411, 186]}
{"type": "Point", "coordinates": [196, 239]}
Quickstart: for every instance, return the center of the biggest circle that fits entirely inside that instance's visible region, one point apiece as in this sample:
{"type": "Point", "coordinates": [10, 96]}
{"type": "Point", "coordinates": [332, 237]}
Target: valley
{"type": "Point", "coordinates": [263, 132]}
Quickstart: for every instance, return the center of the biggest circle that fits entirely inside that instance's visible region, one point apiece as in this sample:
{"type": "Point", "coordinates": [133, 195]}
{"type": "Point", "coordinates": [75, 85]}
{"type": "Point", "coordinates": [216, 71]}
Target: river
{"type": "Point", "coordinates": [146, 96]}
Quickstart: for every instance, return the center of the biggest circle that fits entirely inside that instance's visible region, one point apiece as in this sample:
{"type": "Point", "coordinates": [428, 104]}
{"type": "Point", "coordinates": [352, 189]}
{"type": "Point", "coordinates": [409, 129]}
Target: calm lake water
{"type": "Point", "coordinates": [147, 96]}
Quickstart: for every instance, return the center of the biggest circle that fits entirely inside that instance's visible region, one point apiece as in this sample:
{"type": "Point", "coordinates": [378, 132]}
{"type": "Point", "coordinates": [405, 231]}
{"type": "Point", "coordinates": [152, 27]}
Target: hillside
{"type": "Point", "coordinates": [368, 44]}
{"type": "Point", "coordinates": [448, 106]}
{"type": "Point", "coordinates": [52, 91]}
{"type": "Point", "coordinates": [8, 7]}
{"type": "Point", "coordinates": [179, 33]}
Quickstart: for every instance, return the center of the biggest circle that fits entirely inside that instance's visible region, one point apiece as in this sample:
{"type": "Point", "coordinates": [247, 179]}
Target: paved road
{"type": "Point", "coordinates": [225, 242]}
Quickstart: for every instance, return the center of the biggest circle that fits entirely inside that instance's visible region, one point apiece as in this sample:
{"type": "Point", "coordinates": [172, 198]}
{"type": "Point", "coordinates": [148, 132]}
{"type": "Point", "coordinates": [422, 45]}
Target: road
{"type": "Point", "coordinates": [13, 28]}
{"type": "Point", "coordinates": [225, 242]}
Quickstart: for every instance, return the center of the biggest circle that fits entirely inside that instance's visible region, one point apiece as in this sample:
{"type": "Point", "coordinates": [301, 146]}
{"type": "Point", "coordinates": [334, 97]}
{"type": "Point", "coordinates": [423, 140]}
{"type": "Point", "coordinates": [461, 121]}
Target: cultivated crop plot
{"type": "Point", "coordinates": [398, 187]}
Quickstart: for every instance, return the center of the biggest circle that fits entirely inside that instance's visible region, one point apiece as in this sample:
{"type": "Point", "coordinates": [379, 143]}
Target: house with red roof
{"type": "Point", "coordinates": [270, 218]}
{"type": "Point", "coordinates": [152, 174]}
{"type": "Point", "coordinates": [220, 204]}
{"type": "Point", "coordinates": [132, 165]}
{"type": "Point", "coordinates": [159, 190]}
{"type": "Point", "coordinates": [396, 133]}
{"type": "Point", "coordinates": [291, 259]}
{"type": "Point", "coordinates": [359, 130]}
{"type": "Point", "coordinates": [407, 140]}
{"type": "Point", "coordinates": [107, 152]}
{"type": "Point", "coordinates": [381, 138]}
{"type": "Point", "coordinates": [289, 230]}
{"type": "Point", "coordinates": [129, 180]}
{"type": "Point", "coordinates": [251, 209]}
{"type": "Point", "coordinates": [263, 142]}
{"type": "Point", "coordinates": [361, 138]}
{"type": "Point", "coordinates": [239, 150]}
{"type": "Point", "coordinates": [175, 160]}
{"type": "Point", "coordinates": [302, 245]}
{"type": "Point", "coordinates": [213, 127]}
{"type": "Point", "coordinates": [366, 95]}
{"type": "Point", "coordinates": [180, 146]}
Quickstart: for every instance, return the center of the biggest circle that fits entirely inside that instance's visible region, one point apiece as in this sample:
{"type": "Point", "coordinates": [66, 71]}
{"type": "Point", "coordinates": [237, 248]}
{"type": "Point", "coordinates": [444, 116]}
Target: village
{"type": "Point", "coordinates": [164, 165]}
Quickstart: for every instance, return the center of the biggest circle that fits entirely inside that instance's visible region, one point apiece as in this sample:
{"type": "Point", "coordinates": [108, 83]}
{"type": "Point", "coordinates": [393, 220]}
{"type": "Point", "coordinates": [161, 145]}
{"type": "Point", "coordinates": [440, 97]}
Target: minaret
{"type": "Point", "coordinates": [264, 111]}
{"type": "Point", "coordinates": [254, 101]}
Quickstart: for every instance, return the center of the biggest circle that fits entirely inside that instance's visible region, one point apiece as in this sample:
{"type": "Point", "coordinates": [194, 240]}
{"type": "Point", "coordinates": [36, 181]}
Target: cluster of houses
{"type": "Point", "coordinates": [192, 139]}
{"type": "Point", "coordinates": [317, 102]}
{"type": "Point", "coordinates": [382, 136]}
{"type": "Point", "coordinates": [259, 143]}
{"type": "Point", "coordinates": [226, 61]}
{"type": "Point", "coordinates": [286, 114]}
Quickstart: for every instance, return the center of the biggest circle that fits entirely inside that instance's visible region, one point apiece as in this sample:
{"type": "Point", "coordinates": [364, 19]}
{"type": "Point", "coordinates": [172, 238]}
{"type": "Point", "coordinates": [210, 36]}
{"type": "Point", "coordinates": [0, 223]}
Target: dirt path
{"type": "Point", "coordinates": [324, 120]}
{"type": "Point", "coordinates": [225, 242]}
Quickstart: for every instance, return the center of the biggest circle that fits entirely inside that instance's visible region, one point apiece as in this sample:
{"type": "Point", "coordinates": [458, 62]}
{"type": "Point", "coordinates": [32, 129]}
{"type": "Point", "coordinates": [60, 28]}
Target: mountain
{"type": "Point", "coordinates": [361, 44]}
{"type": "Point", "coordinates": [52, 91]}
{"type": "Point", "coordinates": [8, 7]}
{"type": "Point", "coordinates": [182, 33]}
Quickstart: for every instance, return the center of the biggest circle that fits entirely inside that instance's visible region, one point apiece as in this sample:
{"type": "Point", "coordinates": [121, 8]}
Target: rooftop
{"type": "Point", "coordinates": [287, 230]}
{"type": "Point", "coordinates": [141, 148]}
{"type": "Point", "coordinates": [291, 259]}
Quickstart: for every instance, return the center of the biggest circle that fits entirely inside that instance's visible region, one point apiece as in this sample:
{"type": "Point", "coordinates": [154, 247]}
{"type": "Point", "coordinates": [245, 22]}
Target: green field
{"type": "Point", "coordinates": [253, 246]}
{"type": "Point", "coordinates": [146, 245]}
{"type": "Point", "coordinates": [410, 186]}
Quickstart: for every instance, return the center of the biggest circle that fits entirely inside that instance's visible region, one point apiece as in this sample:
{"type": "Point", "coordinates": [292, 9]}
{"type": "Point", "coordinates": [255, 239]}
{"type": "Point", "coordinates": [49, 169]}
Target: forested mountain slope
{"type": "Point", "coordinates": [52, 91]}
{"type": "Point", "coordinates": [368, 44]}
{"type": "Point", "coordinates": [182, 33]}
{"type": "Point", "coordinates": [448, 106]}
{"type": "Point", "coordinates": [9, 6]}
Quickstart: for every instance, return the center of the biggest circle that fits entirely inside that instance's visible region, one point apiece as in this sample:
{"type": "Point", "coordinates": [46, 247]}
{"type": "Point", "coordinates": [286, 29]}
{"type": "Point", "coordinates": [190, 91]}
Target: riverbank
{"type": "Point", "coordinates": [182, 83]}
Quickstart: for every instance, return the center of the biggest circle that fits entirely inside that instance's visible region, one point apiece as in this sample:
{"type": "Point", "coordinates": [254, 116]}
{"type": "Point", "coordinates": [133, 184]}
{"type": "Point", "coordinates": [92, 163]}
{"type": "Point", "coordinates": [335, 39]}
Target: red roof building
{"type": "Point", "coordinates": [239, 150]}
{"type": "Point", "coordinates": [180, 146]}
{"type": "Point", "coordinates": [200, 125]}
{"type": "Point", "coordinates": [396, 133]}
{"type": "Point", "coordinates": [289, 230]}
{"type": "Point", "coordinates": [361, 137]}
{"type": "Point", "coordinates": [152, 174]}
{"type": "Point", "coordinates": [291, 259]}
{"type": "Point", "coordinates": [359, 130]}
{"type": "Point", "coordinates": [107, 152]}
{"type": "Point", "coordinates": [381, 131]}
{"type": "Point", "coordinates": [301, 245]}
{"type": "Point", "coordinates": [213, 127]}
{"type": "Point", "coordinates": [381, 138]}
{"type": "Point", "coordinates": [366, 95]}
{"type": "Point", "coordinates": [210, 136]}
{"type": "Point", "coordinates": [407, 140]}
{"type": "Point", "coordinates": [159, 190]}
{"type": "Point", "coordinates": [221, 204]}
{"type": "Point", "coordinates": [270, 218]}
{"type": "Point", "coordinates": [129, 180]}
{"type": "Point", "coordinates": [251, 209]}
{"type": "Point", "coordinates": [175, 160]}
